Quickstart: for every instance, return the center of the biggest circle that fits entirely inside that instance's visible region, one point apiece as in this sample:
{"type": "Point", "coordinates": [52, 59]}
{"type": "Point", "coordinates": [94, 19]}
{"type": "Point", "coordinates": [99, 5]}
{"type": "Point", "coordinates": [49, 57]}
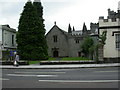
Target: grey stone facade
{"type": "Point", "coordinates": [65, 44]}
{"type": "Point", "coordinates": [59, 47]}
{"type": "Point", "coordinates": [8, 37]}
{"type": "Point", "coordinates": [7, 40]}
{"type": "Point", "coordinates": [113, 14]}
{"type": "Point", "coordinates": [111, 49]}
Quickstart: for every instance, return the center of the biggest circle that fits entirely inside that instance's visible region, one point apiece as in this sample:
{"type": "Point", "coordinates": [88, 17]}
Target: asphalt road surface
{"type": "Point", "coordinates": [60, 78]}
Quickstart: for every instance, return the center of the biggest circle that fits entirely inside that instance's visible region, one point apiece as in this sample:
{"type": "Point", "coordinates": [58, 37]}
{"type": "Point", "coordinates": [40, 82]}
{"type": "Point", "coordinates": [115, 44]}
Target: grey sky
{"type": "Point", "coordinates": [75, 12]}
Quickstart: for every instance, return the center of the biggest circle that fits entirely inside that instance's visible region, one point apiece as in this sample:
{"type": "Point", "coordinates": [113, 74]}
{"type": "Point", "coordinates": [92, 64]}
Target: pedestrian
{"type": "Point", "coordinates": [16, 60]}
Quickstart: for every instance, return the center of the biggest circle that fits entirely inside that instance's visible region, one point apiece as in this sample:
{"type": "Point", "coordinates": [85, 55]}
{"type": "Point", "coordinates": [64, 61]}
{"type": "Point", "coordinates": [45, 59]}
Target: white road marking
{"type": "Point", "coordinates": [4, 79]}
{"type": "Point", "coordinates": [79, 81]}
{"type": "Point", "coordinates": [64, 69]}
{"type": "Point", "coordinates": [21, 75]}
{"type": "Point", "coordinates": [47, 75]}
{"type": "Point", "coordinates": [105, 71]}
{"type": "Point", "coordinates": [42, 72]}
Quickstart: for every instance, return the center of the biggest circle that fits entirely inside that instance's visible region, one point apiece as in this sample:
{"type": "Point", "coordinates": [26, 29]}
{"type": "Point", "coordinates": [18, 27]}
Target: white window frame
{"type": "Point", "coordinates": [117, 41]}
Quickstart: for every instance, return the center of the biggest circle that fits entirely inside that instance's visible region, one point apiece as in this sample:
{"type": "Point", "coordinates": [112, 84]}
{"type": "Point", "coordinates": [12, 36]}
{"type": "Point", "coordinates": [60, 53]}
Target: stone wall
{"type": "Point", "coordinates": [61, 45]}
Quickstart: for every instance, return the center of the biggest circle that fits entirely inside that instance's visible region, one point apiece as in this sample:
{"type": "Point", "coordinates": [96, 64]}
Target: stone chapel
{"type": "Point", "coordinates": [67, 44]}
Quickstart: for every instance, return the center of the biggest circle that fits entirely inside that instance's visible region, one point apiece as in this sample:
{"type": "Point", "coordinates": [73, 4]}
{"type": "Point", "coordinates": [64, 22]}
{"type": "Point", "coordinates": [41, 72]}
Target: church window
{"type": "Point", "coordinates": [77, 41]}
{"type": "Point", "coordinates": [118, 41]}
{"type": "Point", "coordinates": [55, 38]}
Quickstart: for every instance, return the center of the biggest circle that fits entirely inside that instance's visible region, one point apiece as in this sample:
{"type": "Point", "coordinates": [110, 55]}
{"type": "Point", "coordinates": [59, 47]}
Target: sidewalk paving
{"type": "Point", "coordinates": [67, 66]}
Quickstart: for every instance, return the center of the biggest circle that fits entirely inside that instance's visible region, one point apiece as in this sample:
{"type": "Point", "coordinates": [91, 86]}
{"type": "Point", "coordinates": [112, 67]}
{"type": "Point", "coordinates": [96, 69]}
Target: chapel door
{"type": "Point", "coordinates": [79, 54]}
{"type": "Point", "coordinates": [55, 54]}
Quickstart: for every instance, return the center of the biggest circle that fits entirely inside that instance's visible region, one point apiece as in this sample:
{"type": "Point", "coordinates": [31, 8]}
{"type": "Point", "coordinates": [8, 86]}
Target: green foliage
{"type": "Point", "coordinates": [89, 49]}
{"type": "Point", "coordinates": [100, 44]}
{"type": "Point", "coordinates": [74, 58]}
{"type": "Point", "coordinates": [52, 58]}
{"type": "Point", "coordinates": [5, 54]}
{"type": "Point", "coordinates": [39, 8]}
{"type": "Point", "coordinates": [30, 37]}
{"type": "Point", "coordinates": [87, 46]}
{"type": "Point", "coordinates": [34, 62]}
{"type": "Point", "coordinates": [103, 37]}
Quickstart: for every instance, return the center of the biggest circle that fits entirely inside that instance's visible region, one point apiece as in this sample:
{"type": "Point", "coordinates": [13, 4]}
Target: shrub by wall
{"type": "Point", "coordinates": [5, 55]}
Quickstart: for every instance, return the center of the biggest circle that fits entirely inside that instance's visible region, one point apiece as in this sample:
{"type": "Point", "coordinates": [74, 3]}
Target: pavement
{"type": "Point", "coordinates": [64, 66]}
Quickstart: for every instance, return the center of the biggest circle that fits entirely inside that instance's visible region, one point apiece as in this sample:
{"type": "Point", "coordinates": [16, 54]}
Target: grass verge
{"type": "Point", "coordinates": [34, 62]}
{"type": "Point", "coordinates": [38, 61]}
{"type": "Point", "coordinates": [74, 58]}
{"type": "Point", "coordinates": [62, 59]}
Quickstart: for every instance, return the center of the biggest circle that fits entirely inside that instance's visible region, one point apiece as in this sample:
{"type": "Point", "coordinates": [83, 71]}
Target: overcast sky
{"type": "Point", "coordinates": [75, 12]}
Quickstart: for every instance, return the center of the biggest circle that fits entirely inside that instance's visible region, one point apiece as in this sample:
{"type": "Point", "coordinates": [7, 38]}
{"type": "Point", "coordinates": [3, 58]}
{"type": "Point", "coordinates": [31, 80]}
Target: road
{"type": "Point", "coordinates": [60, 78]}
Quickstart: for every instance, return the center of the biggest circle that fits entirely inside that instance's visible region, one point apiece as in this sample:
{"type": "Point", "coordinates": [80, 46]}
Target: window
{"type": "Point", "coordinates": [118, 41]}
{"type": "Point", "coordinates": [12, 39]}
{"type": "Point", "coordinates": [55, 38]}
{"type": "Point", "coordinates": [77, 41]}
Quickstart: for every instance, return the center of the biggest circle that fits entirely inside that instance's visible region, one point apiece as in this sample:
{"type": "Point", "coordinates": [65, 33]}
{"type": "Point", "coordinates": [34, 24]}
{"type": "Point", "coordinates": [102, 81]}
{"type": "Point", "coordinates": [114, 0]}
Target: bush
{"type": "Point", "coordinates": [5, 55]}
{"type": "Point", "coordinates": [75, 58]}
{"type": "Point", "coordinates": [11, 63]}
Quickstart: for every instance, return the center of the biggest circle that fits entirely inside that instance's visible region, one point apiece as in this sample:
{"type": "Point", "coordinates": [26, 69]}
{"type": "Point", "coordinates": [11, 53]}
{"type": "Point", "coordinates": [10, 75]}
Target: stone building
{"type": "Point", "coordinates": [111, 50]}
{"type": "Point", "coordinates": [66, 44]}
{"type": "Point", "coordinates": [7, 38]}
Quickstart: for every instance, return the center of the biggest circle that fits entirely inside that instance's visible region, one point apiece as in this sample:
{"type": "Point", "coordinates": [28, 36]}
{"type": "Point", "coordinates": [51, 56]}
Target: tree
{"type": "Point", "coordinates": [37, 4]}
{"type": "Point", "coordinates": [103, 37]}
{"type": "Point", "coordinates": [90, 49]}
{"type": "Point", "coordinates": [30, 36]}
{"type": "Point", "coordinates": [100, 45]}
{"type": "Point", "coordinates": [88, 46]}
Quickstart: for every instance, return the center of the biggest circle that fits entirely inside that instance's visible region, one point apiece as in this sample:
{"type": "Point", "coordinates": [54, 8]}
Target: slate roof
{"type": "Point", "coordinates": [7, 27]}
{"type": "Point", "coordinates": [64, 32]}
